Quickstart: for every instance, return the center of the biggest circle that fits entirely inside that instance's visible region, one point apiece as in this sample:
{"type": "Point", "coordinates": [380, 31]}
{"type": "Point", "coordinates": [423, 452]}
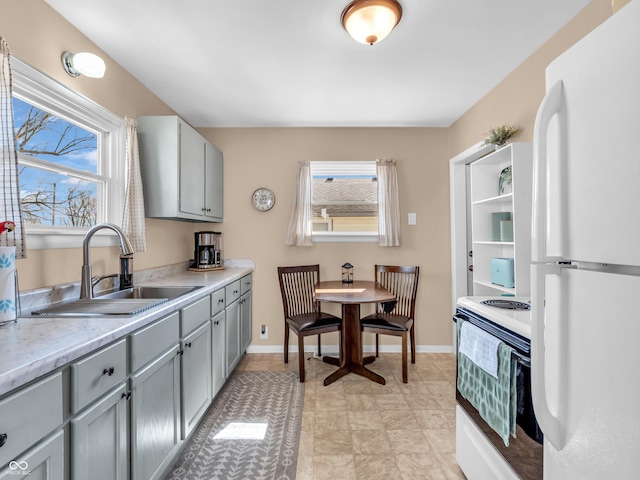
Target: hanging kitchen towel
{"type": "Point", "coordinates": [480, 347]}
{"type": "Point", "coordinates": [494, 398]}
{"type": "Point", "coordinates": [7, 284]}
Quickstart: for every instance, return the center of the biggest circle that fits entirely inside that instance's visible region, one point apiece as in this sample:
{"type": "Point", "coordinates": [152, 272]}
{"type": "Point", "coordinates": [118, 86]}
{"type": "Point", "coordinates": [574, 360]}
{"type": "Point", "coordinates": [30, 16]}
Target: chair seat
{"type": "Point", "coordinates": [308, 322]}
{"type": "Point", "coordinates": [387, 321]}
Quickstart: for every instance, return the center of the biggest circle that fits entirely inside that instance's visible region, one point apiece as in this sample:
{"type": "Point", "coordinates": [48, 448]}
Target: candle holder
{"type": "Point", "coordinates": [347, 273]}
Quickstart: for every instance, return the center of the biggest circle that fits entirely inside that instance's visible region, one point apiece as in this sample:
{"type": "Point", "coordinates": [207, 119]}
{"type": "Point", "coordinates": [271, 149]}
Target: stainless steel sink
{"type": "Point", "coordinates": [123, 302]}
{"type": "Point", "coordinates": [149, 292]}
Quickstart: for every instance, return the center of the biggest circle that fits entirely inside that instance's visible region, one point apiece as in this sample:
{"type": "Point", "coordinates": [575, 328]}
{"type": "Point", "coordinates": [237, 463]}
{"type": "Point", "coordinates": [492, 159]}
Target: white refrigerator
{"type": "Point", "coordinates": [586, 256]}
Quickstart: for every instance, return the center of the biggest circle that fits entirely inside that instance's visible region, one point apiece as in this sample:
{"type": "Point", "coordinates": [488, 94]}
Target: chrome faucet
{"type": "Point", "coordinates": [127, 251]}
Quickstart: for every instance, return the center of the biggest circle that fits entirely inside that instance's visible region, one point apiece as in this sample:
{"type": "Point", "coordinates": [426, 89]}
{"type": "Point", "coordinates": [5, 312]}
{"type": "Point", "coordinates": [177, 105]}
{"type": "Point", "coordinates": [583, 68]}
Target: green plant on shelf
{"type": "Point", "coordinates": [500, 134]}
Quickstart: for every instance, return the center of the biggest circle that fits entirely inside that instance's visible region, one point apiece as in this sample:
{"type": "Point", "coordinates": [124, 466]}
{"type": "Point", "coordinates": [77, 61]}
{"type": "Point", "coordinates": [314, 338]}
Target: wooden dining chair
{"type": "Point", "coordinates": [396, 318]}
{"type": "Point", "coordinates": [302, 313]}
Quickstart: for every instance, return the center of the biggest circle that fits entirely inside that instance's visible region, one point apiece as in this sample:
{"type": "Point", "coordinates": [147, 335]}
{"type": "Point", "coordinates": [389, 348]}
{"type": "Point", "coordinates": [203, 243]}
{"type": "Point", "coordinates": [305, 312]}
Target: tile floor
{"type": "Point", "coordinates": [355, 429]}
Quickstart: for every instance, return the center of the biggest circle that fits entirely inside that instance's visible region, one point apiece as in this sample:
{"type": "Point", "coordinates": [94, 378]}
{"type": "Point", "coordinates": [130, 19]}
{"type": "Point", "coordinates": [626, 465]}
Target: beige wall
{"type": "Point", "coordinates": [268, 157]}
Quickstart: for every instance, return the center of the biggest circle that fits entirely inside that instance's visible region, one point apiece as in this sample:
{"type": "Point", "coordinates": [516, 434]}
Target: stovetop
{"type": "Point", "coordinates": [516, 320]}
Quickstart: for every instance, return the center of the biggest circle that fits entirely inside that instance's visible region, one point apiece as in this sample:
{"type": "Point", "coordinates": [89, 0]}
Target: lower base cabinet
{"type": "Point", "coordinates": [233, 335]}
{"type": "Point", "coordinates": [155, 416]}
{"type": "Point", "coordinates": [45, 461]}
{"type": "Point", "coordinates": [218, 352]}
{"type": "Point", "coordinates": [196, 377]}
{"type": "Point", "coordinates": [99, 448]}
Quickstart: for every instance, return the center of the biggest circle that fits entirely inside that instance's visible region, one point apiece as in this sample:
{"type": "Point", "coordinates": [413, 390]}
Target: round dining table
{"type": "Point", "coordinates": [351, 295]}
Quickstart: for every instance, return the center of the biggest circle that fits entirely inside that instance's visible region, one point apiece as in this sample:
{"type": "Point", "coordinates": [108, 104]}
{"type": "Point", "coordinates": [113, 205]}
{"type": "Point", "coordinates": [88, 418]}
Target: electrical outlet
{"type": "Point", "coordinates": [264, 332]}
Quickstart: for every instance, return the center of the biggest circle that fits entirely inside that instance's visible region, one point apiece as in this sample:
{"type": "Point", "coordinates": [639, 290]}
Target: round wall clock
{"type": "Point", "coordinates": [263, 199]}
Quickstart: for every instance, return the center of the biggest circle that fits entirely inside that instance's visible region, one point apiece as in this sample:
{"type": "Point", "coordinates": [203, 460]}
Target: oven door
{"type": "Point", "coordinates": [524, 453]}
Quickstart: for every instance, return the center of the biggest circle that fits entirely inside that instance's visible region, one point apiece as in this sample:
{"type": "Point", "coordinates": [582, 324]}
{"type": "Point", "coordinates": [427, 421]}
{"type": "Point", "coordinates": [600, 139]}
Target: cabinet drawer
{"type": "Point", "coordinates": [97, 374]}
{"type": "Point", "coordinates": [245, 284]}
{"type": "Point", "coordinates": [151, 341]}
{"type": "Point", "coordinates": [29, 415]}
{"type": "Point", "coordinates": [217, 302]}
{"type": "Point", "coordinates": [232, 292]}
{"type": "Point", "coordinates": [194, 315]}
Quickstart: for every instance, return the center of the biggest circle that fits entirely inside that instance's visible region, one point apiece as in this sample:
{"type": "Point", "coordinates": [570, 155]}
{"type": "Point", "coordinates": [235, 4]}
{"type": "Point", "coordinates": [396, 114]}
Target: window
{"type": "Point", "coordinates": [344, 197]}
{"type": "Point", "coordinates": [71, 160]}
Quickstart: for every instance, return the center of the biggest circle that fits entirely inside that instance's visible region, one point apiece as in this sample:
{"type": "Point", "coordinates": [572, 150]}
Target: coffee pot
{"type": "Point", "coordinates": [208, 250]}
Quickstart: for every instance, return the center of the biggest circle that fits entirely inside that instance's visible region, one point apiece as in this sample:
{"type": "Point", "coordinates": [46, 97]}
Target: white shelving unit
{"type": "Point", "coordinates": [485, 200]}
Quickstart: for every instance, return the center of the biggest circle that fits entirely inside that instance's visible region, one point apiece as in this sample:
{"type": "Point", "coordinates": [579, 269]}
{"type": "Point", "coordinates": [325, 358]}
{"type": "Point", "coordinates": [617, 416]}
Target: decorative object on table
{"type": "Point", "coordinates": [494, 225]}
{"type": "Point", "coordinates": [8, 290]}
{"type": "Point", "coordinates": [500, 134]}
{"type": "Point", "coordinates": [506, 230]}
{"type": "Point", "coordinates": [263, 199]}
{"type": "Point", "coordinates": [347, 273]}
{"type": "Point", "coordinates": [225, 444]}
{"type": "Point", "coordinates": [505, 183]}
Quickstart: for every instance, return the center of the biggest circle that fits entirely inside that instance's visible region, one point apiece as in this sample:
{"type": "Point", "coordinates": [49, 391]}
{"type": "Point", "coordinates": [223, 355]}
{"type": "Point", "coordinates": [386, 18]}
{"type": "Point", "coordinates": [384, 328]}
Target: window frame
{"type": "Point", "coordinates": [36, 88]}
{"type": "Point", "coordinates": [343, 237]}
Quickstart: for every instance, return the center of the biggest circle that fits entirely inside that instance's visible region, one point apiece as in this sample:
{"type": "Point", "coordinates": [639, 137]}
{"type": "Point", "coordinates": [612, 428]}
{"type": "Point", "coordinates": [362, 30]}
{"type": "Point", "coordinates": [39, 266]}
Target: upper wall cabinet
{"type": "Point", "coordinates": [181, 171]}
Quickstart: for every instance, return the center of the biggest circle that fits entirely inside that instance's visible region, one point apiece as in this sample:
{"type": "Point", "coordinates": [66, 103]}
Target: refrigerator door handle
{"type": "Point", "coordinates": [552, 425]}
{"type": "Point", "coordinates": [550, 106]}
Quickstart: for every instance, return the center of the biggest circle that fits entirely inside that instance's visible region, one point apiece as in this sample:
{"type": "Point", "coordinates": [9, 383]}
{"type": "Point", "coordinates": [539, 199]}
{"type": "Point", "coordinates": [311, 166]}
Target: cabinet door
{"type": "Point", "coordinates": [191, 171]}
{"type": "Point", "coordinates": [43, 462]}
{"type": "Point", "coordinates": [218, 352]}
{"type": "Point", "coordinates": [196, 376]}
{"type": "Point", "coordinates": [155, 416]}
{"type": "Point", "coordinates": [99, 439]}
{"type": "Point", "coordinates": [213, 182]}
{"type": "Point", "coordinates": [245, 321]}
{"type": "Point", "coordinates": [233, 335]}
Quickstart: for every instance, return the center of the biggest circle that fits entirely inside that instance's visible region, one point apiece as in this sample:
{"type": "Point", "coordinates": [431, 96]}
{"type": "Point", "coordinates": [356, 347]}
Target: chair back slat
{"type": "Point", "coordinates": [402, 281]}
{"type": "Point", "coordinates": [297, 286]}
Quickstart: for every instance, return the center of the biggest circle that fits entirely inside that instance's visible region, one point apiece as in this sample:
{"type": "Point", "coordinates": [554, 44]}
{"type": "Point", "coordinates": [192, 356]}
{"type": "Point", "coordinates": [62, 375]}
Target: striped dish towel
{"type": "Point", "coordinates": [480, 347]}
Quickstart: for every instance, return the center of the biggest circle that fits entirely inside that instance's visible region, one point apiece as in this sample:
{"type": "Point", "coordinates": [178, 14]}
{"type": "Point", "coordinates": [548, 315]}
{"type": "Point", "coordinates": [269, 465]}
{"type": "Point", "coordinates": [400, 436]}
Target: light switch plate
{"type": "Point", "coordinates": [412, 219]}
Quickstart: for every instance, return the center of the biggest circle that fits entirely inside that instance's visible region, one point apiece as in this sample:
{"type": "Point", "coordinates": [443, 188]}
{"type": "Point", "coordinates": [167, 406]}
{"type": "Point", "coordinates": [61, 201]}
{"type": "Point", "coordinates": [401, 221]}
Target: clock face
{"type": "Point", "coordinates": [263, 199]}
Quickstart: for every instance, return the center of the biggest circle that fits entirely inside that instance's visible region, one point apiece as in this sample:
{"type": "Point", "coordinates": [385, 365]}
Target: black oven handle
{"type": "Point", "coordinates": [521, 359]}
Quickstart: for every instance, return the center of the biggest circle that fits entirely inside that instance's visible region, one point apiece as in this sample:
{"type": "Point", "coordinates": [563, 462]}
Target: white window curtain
{"type": "Point", "coordinates": [300, 223]}
{"type": "Point", "coordinates": [10, 200]}
{"type": "Point", "coordinates": [133, 222]}
{"type": "Point", "coordinates": [389, 234]}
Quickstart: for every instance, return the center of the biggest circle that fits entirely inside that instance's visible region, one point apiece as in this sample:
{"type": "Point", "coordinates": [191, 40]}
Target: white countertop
{"type": "Point", "coordinates": [34, 346]}
{"type": "Point", "coordinates": [518, 321]}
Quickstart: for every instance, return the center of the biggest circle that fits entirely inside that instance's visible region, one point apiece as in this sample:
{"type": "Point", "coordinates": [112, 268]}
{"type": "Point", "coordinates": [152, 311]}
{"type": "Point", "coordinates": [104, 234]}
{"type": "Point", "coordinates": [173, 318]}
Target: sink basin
{"type": "Point", "coordinates": [122, 302]}
{"type": "Point", "coordinates": [149, 292]}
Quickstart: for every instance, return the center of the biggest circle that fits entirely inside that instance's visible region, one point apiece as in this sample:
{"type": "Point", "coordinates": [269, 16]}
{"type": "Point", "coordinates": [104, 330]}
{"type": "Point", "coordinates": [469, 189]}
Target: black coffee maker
{"type": "Point", "coordinates": [208, 250]}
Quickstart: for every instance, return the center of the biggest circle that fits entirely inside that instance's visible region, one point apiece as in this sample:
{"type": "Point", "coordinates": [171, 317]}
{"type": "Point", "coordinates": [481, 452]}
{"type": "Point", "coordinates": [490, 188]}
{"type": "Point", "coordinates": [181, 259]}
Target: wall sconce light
{"type": "Point", "coordinates": [83, 63]}
{"type": "Point", "coordinates": [370, 21]}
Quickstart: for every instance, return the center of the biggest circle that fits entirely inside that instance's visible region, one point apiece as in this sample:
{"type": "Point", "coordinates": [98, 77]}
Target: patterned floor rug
{"type": "Point", "coordinates": [251, 431]}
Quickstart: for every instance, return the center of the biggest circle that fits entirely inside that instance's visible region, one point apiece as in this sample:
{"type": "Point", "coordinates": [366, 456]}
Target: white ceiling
{"type": "Point", "coordinates": [242, 63]}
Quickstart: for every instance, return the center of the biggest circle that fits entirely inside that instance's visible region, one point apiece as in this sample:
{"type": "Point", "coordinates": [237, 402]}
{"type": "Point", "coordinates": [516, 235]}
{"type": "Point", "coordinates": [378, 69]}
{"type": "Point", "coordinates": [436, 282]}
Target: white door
{"type": "Point", "coordinates": [586, 383]}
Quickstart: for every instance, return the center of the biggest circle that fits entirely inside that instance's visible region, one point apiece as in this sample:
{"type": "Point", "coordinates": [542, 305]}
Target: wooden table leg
{"type": "Point", "coordinates": [352, 361]}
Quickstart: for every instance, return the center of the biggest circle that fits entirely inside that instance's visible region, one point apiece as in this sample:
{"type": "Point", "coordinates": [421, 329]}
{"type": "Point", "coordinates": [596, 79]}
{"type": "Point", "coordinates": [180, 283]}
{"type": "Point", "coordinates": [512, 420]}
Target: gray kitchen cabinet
{"type": "Point", "coordinates": [218, 352]}
{"type": "Point", "coordinates": [232, 317]}
{"type": "Point", "coordinates": [29, 415]}
{"type": "Point", "coordinates": [196, 375]}
{"type": "Point", "coordinates": [99, 445]}
{"type": "Point", "coordinates": [181, 171]}
{"type": "Point", "coordinates": [155, 398]}
{"type": "Point", "coordinates": [245, 313]}
{"type": "Point", "coordinates": [45, 461]}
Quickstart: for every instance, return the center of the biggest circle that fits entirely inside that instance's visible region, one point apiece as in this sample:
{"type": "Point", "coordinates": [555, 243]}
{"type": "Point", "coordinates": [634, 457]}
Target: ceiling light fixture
{"type": "Point", "coordinates": [370, 21]}
{"type": "Point", "coordinates": [83, 63]}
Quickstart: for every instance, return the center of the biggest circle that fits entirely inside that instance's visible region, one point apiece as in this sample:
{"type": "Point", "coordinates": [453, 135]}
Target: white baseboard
{"type": "Point", "coordinates": [333, 349]}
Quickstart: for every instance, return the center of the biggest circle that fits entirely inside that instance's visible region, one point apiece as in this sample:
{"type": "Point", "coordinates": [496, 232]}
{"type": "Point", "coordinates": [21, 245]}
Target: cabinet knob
{"type": "Point", "coordinates": [126, 395]}
{"type": "Point", "coordinates": [108, 371]}
{"type": "Point", "coordinates": [470, 267]}
{"type": "Point", "coordinates": [180, 352]}
{"type": "Point", "coordinates": [188, 345]}
{"type": "Point", "coordinates": [221, 300]}
{"type": "Point", "coordinates": [3, 439]}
